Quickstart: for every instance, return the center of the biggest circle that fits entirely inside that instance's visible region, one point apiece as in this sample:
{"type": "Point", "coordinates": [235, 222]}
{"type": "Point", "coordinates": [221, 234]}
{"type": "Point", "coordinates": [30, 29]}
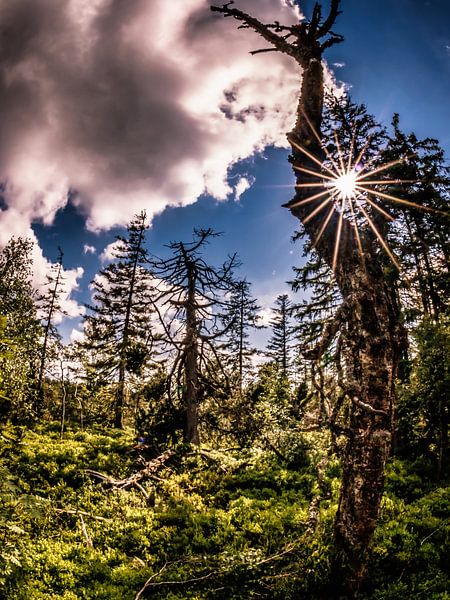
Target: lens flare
{"type": "Point", "coordinates": [346, 187]}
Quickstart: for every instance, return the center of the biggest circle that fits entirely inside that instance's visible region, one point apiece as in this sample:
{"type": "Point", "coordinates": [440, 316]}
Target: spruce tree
{"type": "Point", "coordinates": [419, 236]}
{"type": "Point", "coordinates": [240, 318]}
{"type": "Point", "coordinates": [49, 304]}
{"type": "Point", "coordinates": [279, 345]}
{"type": "Point", "coordinates": [118, 328]}
{"type": "Point", "coordinates": [368, 318]}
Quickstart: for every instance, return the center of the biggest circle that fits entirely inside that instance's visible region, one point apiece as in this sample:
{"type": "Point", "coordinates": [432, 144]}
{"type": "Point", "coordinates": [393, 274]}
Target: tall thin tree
{"type": "Point", "coordinates": [240, 317]}
{"type": "Point", "coordinates": [50, 306]}
{"type": "Point", "coordinates": [368, 317]}
{"type": "Point", "coordinates": [118, 328]}
{"type": "Point", "coordinates": [194, 294]}
{"type": "Point", "coordinates": [279, 345]}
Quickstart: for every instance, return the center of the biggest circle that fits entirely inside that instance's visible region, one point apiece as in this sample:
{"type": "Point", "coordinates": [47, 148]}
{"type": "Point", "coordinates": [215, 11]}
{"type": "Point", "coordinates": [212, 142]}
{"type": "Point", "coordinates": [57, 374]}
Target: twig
{"type": "Point", "coordinates": [149, 580]}
{"type": "Point", "coordinates": [176, 582]}
{"type": "Point", "coordinates": [69, 511]}
{"type": "Point", "coordinates": [446, 522]}
{"type": "Point", "coordinates": [85, 533]}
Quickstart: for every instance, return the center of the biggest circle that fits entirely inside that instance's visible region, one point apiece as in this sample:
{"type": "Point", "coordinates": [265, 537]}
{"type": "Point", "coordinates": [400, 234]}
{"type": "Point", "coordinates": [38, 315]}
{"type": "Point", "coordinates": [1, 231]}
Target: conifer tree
{"type": "Point", "coordinates": [419, 236]}
{"type": "Point", "coordinates": [50, 308]}
{"type": "Point", "coordinates": [118, 328]}
{"type": "Point", "coordinates": [279, 345]}
{"type": "Point", "coordinates": [21, 327]}
{"type": "Point", "coordinates": [240, 317]}
{"type": "Point", "coordinates": [194, 294]}
{"type": "Point", "coordinates": [368, 318]}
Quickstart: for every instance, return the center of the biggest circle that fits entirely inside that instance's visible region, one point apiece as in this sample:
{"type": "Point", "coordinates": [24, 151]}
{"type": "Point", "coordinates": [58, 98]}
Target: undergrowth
{"type": "Point", "coordinates": [228, 524]}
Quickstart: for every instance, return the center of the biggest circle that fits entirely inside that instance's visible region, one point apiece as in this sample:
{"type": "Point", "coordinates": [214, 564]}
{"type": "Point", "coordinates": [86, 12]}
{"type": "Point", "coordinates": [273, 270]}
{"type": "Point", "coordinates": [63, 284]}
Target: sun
{"type": "Point", "coordinates": [346, 185]}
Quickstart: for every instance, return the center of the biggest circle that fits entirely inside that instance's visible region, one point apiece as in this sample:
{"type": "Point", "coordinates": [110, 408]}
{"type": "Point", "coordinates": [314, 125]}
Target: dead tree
{"type": "Point", "coordinates": [191, 297]}
{"type": "Point", "coordinates": [368, 319]}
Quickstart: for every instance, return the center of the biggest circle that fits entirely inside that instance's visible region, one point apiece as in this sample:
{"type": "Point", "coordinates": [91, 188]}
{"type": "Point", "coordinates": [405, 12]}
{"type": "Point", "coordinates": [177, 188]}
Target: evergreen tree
{"type": "Point", "coordinates": [419, 236]}
{"type": "Point", "coordinates": [424, 402]}
{"type": "Point", "coordinates": [368, 318]}
{"type": "Point", "coordinates": [240, 317]}
{"type": "Point", "coordinates": [118, 329]}
{"type": "Point", "coordinates": [279, 345]}
{"type": "Point", "coordinates": [21, 328]}
{"type": "Point", "coordinates": [50, 309]}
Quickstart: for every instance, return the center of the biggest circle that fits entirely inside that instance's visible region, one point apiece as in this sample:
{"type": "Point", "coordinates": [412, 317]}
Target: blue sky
{"type": "Point", "coordinates": [396, 58]}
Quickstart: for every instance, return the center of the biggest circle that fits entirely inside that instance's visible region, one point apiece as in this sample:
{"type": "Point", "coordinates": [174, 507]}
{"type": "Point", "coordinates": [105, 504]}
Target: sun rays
{"type": "Point", "coordinates": [346, 186]}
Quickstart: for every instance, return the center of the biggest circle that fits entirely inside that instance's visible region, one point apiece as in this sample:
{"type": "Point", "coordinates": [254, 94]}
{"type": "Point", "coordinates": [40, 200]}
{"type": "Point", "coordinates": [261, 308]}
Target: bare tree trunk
{"type": "Point", "coordinates": [369, 324]}
{"type": "Point", "coordinates": [368, 320]}
{"type": "Point", "coordinates": [191, 434]}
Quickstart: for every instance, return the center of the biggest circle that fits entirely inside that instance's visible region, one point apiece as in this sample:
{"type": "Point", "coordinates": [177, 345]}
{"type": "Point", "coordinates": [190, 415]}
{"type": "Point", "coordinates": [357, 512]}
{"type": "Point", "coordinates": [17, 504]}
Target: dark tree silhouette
{"type": "Point", "coordinates": [193, 295]}
{"type": "Point", "coordinates": [368, 318]}
{"type": "Point", "coordinates": [279, 344]}
{"type": "Point", "coordinates": [240, 316]}
{"type": "Point", "coordinates": [49, 304]}
{"type": "Point", "coordinates": [118, 329]}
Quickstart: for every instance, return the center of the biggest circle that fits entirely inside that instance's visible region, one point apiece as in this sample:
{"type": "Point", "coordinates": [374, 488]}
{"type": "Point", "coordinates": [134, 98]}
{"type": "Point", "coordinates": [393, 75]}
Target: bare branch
{"type": "Point", "coordinates": [253, 52]}
{"type": "Point", "coordinates": [331, 19]}
{"type": "Point", "coordinates": [264, 30]}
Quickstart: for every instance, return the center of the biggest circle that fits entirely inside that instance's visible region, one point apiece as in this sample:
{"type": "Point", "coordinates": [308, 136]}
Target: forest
{"type": "Point", "coordinates": [166, 455]}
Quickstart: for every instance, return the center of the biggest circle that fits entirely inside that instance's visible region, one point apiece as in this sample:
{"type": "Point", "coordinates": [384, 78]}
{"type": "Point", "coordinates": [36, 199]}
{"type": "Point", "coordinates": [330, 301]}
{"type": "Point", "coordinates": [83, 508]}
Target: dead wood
{"type": "Point", "coordinates": [149, 470]}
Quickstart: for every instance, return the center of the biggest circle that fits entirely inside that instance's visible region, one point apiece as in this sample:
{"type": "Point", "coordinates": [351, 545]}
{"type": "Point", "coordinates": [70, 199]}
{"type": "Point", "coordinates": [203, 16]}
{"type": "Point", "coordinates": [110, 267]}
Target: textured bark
{"type": "Point", "coordinates": [371, 341]}
{"type": "Point", "coordinates": [370, 329]}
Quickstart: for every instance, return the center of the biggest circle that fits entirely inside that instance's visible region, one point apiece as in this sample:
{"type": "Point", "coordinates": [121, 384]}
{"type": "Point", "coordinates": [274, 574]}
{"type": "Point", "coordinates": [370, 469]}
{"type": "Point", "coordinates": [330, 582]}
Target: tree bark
{"type": "Point", "coordinates": [370, 329]}
{"type": "Point", "coordinates": [371, 336]}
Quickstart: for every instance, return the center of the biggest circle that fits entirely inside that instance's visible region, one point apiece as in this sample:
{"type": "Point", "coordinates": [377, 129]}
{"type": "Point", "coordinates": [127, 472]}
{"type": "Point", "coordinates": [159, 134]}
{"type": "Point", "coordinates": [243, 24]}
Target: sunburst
{"type": "Point", "coordinates": [348, 188]}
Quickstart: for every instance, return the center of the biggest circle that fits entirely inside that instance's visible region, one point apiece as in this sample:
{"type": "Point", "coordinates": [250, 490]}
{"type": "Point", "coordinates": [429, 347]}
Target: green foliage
{"type": "Point", "coordinates": [412, 545]}
{"type": "Point", "coordinates": [424, 410]}
{"type": "Point", "coordinates": [219, 525]}
{"type": "Point", "coordinates": [21, 327]}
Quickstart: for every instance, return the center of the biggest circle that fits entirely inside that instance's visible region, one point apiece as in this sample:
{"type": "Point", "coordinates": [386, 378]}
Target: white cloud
{"type": "Point", "coordinates": [87, 249]}
{"type": "Point", "coordinates": [108, 253]}
{"type": "Point", "coordinates": [135, 105]}
{"type": "Point", "coordinates": [243, 184]}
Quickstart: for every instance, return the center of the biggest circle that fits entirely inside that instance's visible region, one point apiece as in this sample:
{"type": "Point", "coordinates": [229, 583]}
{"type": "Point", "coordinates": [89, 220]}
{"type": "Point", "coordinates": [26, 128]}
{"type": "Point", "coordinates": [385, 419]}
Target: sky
{"type": "Point", "coordinates": [110, 107]}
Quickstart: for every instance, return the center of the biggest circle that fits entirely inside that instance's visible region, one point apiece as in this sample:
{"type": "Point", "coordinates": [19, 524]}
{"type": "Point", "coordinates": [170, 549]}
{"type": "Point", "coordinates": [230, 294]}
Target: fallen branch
{"type": "Point", "coordinates": [150, 469]}
{"type": "Point", "coordinates": [148, 582]}
{"type": "Point", "coordinates": [69, 511]}
{"type": "Point", "coordinates": [86, 536]}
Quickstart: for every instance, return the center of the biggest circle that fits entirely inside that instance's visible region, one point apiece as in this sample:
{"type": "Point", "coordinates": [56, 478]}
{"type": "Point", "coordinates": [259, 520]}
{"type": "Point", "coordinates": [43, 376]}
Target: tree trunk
{"type": "Point", "coordinates": [371, 337]}
{"type": "Point", "coordinates": [120, 395]}
{"type": "Point", "coordinates": [191, 434]}
{"type": "Point", "coordinates": [368, 319]}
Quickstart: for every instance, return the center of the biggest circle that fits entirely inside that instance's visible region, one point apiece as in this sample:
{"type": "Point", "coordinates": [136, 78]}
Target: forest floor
{"type": "Point", "coordinates": [217, 524]}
